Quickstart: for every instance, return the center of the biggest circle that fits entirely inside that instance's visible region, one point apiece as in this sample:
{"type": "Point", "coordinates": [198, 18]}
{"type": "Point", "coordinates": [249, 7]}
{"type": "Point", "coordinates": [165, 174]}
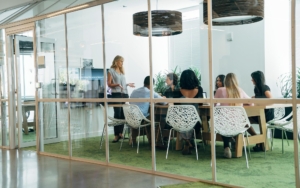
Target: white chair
{"type": "Point", "coordinates": [286, 125]}
{"type": "Point", "coordinates": [111, 123]}
{"type": "Point", "coordinates": [278, 114]}
{"type": "Point", "coordinates": [134, 119]}
{"type": "Point", "coordinates": [183, 118]}
{"type": "Point", "coordinates": [230, 121]}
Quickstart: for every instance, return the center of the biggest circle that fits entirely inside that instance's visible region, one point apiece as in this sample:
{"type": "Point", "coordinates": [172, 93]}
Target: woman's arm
{"type": "Point", "coordinates": [268, 94]}
{"type": "Point", "coordinates": [109, 82]}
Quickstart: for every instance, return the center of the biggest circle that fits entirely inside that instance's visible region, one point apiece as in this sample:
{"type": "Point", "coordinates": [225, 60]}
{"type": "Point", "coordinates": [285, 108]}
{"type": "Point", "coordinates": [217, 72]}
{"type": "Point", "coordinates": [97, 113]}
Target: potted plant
{"type": "Point", "coordinates": [285, 84]}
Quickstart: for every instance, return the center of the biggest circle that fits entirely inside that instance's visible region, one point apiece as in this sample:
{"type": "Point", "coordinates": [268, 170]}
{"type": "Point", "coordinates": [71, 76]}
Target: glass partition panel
{"type": "Point", "coordinates": [79, 2]}
{"type": "Point", "coordinates": [265, 168]}
{"type": "Point", "coordinates": [125, 50]}
{"type": "Point", "coordinates": [86, 71]}
{"type": "Point", "coordinates": [4, 135]}
{"type": "Point", "coordinates": [54, 129]}
{"type": "Point", "coordinates": [59, 5]}
{"type": "Point", "coordinates": [51, 57]}
{"type": "Point", "coordinates": [3, 66]}
{"type": "Point", "coordinates": [35, 10]}
{"type": "Point", "coordinates": [180, 148]}
{"type": "Point", "coordinates": [87, 123]}
{"type": "Point", "coordinates": [8, 13]}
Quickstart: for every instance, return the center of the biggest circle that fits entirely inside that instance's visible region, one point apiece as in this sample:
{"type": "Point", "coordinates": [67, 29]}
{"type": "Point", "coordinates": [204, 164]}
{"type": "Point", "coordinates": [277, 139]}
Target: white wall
{"type": "Point", "coordinates": [241, 56]}
{"type": "Point", "coordinates": [277, 42]}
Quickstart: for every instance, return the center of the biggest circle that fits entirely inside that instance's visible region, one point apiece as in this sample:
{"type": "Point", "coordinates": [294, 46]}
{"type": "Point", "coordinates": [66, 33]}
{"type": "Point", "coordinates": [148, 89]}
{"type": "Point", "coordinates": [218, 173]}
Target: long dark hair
{"type": "Point", "coordinates": [188, 80]}
{"type": "Point", "coordinates": [259, 79]}
{"type": "Point", "coordinates": [222, 78]}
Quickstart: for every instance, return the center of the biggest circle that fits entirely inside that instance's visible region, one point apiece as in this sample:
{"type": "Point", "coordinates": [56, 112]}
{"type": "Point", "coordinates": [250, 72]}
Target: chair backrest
{"type": "Point", "coordinates": [279, 113]}
{"type": "Point", "coordinates": [182, 118]}
{"type": "Point", "coordinates": [133, 115]}
{"type": "Point", "coordinates": [230, 120]}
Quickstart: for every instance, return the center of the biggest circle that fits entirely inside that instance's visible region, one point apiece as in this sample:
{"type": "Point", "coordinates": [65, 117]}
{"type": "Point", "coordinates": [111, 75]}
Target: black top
{"type": "Point", "coordinates": [261, 94]}
{"type": "Point", "coordinates": [172, 94]}
{"type": "Point", "coordinates": [199, 94]}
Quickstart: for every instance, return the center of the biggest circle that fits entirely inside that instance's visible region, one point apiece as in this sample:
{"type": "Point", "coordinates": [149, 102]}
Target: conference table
{"type": "Point", "coordinates": [204, 112]}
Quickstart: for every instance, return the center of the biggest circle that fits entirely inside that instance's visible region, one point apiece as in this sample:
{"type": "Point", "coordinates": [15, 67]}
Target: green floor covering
{"type": "Point", "coordinates": [276, 170]}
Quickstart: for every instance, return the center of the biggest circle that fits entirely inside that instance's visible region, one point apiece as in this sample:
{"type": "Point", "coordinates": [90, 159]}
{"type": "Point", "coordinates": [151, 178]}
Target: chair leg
{"type": "Point", "coordinates": [248, 145]}
{"type": "Point", "coordinates": [202, 139]}
{"type": "Point", "coordinates": [196, 145]}
{"type": "Point", "coordinates": [144, 135]}
{"type": "Point", "coordinates": [102, 136]}
{"type": "Point", "coordinates": [287, 140]}
{"type": "Point", "coordinates": [282, 141]}
{"type": "Point", "coordinates": [245, 152]}
{"type": "Point", "coordinates": [138, 144]}
{"type": "Point", "coordinates": [273, 131]}
{"type": "Point", "coordinates": [124, 132]}
{"type": "Point", "coordinates": [169, 143]}
{"type": "Point", "coordinates": [161, 137]}
{"type": "Point", "coordinates": [173, 140]}
{"type": "Point", "coordinates": [266, 141]}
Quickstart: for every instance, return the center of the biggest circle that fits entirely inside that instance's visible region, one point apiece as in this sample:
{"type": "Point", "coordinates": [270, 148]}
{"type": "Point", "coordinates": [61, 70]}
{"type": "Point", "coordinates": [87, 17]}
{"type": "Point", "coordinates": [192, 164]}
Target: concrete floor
{"type": "Point", "coordinates": [27, 169]}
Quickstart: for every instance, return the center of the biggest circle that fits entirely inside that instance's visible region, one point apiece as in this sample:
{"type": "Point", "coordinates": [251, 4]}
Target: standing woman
{"type": "Point", "coordinates": [117, 82]}
{"type": "Point", "coordinates": [261, 90]}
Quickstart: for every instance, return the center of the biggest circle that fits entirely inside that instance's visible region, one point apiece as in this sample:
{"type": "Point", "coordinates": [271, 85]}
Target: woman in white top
{"type": "Point", "coordinates": [117, 82]}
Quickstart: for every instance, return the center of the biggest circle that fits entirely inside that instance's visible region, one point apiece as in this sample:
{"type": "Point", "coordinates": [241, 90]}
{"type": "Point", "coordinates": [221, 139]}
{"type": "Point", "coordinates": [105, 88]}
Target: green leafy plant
{"type": "Point", "coordinates": [285, 84]}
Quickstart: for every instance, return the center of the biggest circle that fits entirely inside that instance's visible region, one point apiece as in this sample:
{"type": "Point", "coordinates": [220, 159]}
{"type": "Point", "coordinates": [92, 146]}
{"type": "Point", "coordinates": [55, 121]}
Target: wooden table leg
{"type": "Point", "coordinates": [263, 127]}
{"type": "Point", "coordinates": [239, 146]}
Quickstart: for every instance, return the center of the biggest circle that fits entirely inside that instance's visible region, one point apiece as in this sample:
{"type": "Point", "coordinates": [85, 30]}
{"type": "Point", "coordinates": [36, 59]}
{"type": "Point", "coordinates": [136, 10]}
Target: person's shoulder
{"type": "Point", "coordinates": [266, 88]}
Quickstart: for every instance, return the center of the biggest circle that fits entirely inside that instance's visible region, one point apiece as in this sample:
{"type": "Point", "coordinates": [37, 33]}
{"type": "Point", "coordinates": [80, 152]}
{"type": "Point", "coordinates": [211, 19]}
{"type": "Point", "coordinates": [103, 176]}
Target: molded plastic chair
{"type": "Point", "coordinates": [111, 123]}
{"type": "Point", "coordinates": [231, 121]}
{"type": "Point", "coordinates": [278, 114]}
{"type": "Point", "coordinates": [286, 125]}
{"type": "Point", "coordinates": [183, 118]}
{"type": "Point", "coordinates": [134, 119]}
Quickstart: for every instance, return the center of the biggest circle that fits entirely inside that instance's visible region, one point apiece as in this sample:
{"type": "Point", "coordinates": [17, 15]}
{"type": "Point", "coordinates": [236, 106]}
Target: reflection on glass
{"type": "Point", "coordinates": [4, 134]}
{"type": "Point", "coordinates": [41, 6]}
{"type": "Point", "coordinates": [86, 74]}
{"type": "Point", "coordinates": [59, 5]}
{"type": "Point", "coordinates": [126, 56]}
{"type": "Point", "coordinates": [87, 123]}
{"type": "Point", "coordinates": [53, 120]}
{"type": "Point", "coordinates": [51, 57]}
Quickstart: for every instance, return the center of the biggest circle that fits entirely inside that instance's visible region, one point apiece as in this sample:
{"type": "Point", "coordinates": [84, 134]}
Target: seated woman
{"type": "Point", "coordinates": [231, 90]}
{"type": "Point", "coordinates": [189, 88]}
{"type": "Point", "coordinates": [219, 82]}
{"type": "Point", "coordinates": [261, 90]}
{"type": "Point", "coordinates": [172, 83]}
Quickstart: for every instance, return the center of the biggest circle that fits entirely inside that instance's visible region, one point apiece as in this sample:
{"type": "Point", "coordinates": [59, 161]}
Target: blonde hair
{"type": "Point", "coordinates": [114, 63]}
{"type": "Point", "coordinates": [232, 87]}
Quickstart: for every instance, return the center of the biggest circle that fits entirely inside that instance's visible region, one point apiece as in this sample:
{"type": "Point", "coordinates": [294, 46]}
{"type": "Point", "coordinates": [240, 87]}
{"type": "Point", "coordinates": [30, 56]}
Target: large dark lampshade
{"type": "Point", "coordinates": [234, 12]}
{"type": "Point", "coordinates": [164, 23]}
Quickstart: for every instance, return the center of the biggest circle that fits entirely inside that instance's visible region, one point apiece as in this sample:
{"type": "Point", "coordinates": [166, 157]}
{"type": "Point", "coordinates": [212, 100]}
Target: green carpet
{"type": "Point", "coordinates": [276, 170]}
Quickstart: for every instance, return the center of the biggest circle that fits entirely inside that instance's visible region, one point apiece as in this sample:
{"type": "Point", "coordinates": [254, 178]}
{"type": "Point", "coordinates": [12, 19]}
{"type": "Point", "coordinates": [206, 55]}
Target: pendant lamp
{"type": "Point", "coordinates": [234, 12]}
{"type": "Point", "coordinates": [164, 23]}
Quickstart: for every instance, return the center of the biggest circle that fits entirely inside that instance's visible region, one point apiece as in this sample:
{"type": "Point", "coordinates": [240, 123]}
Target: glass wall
{"type": "Point", "coordinates": [78, 73]}
{"type": "Point", "coordinates": [119, 40]}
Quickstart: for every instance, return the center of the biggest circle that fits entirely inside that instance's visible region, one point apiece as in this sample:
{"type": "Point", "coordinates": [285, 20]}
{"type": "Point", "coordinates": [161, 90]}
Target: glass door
{"type": "Point", "coordinates": [22, 97]}
{"type": "Point", "coordinates": [25, 74]}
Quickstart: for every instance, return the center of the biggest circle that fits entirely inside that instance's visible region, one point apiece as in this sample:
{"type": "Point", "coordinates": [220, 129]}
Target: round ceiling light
{"type": "Point", "coordinates": [234, 12]}
{"type": "Point", "coordinates": [164, 23]}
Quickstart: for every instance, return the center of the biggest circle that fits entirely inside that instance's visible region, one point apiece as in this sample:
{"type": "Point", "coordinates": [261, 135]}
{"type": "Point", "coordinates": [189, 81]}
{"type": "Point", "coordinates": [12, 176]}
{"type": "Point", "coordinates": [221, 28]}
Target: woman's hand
{"type": "Point", "coordinates": [131, 85]}
{"type": "Point", "coordinates": [120, 86]}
